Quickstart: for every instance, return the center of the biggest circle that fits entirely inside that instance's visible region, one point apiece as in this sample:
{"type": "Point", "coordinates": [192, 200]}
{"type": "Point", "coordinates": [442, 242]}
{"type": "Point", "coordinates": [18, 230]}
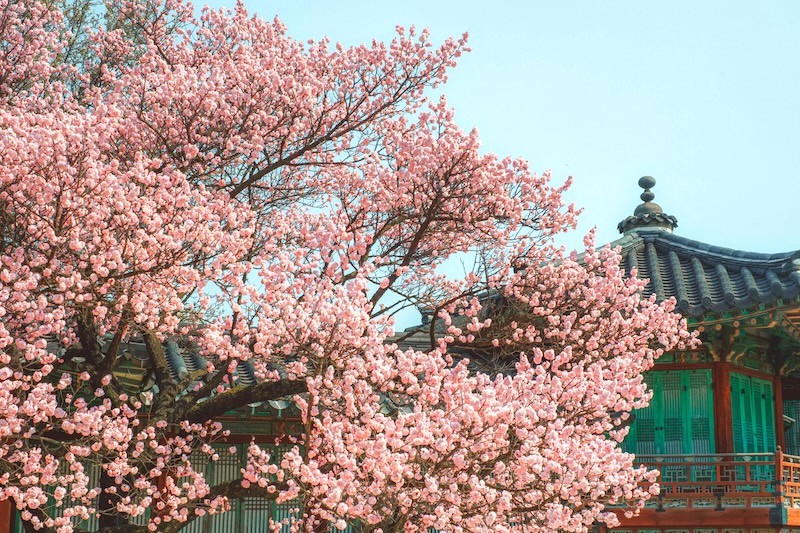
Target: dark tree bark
{"type": "Point", "coordinates": [242, 395]}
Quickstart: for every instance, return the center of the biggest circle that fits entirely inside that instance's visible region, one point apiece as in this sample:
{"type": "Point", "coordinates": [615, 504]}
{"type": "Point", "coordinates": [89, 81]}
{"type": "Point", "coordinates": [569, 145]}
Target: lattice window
{"type": "Point", "coordinates": [673, 419]}
{"type": "Point", "coordinates": [92, 470]}
{"type": "Point", "coordinates": [250, 514]}
{"type": "Point", "coordinates": [256, 514]}
{"type": "Point", "coordinates": [753, 414]}
{"type": "Point", "coordinates": [646, 430]}
{"type": "Point", "coordinates": [679, 419]}
{"type": "Point", "coordinates": [791, 408]}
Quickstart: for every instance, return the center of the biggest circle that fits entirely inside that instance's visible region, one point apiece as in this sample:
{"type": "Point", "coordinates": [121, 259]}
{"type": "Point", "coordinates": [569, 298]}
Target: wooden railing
{"type": "Point", "coordinates": [789, 479]}
{"type": "Point", "coordinates": [719, 481]}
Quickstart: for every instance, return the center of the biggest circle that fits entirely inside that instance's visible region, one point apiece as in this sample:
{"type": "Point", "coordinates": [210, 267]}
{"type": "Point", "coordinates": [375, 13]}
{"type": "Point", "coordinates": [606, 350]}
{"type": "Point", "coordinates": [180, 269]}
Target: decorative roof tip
{"type": "Point", "coordinates": [648, 214]}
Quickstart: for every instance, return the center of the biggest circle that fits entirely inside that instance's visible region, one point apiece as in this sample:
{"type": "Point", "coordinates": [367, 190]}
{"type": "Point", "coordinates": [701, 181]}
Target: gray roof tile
{"type": "Point", "coordinates": [705, 278]}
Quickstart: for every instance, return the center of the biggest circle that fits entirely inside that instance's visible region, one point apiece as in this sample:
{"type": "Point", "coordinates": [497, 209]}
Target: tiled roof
{"type": "Point", "coordinates": [705, 278]}
{"type": "Point", "coordinates": [132, 368]}
{"type": "Point", "coordinates": [181, 361]}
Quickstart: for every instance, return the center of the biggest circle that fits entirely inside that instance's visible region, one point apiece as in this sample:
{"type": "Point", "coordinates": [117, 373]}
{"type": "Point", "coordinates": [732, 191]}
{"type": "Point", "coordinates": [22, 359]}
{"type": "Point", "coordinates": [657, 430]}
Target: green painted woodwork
{"type": "Point", "coordinates": [16, 523]}
{"type": "Point", "coordinates": [753, 413]}
{"type": "Point", "coordinates": [680, 417]}
{"type": "Point", "coordinates": [263, 423]}
{"type": "Point", "coordinates": [791, 408]}
{"type": "Point", "coordinates": [93, 472]}
{"type": "Point", "coordinates": [251, 514]}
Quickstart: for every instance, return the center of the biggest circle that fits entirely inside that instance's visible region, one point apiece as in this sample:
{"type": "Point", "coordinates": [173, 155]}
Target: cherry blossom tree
{"type": "Point", "coordinates": [202, 176]}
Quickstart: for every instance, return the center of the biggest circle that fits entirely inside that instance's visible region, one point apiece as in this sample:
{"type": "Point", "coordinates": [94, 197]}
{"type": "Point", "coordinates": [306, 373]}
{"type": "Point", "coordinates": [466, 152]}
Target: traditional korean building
{"type": "Point", "coordinates": [723, 426]}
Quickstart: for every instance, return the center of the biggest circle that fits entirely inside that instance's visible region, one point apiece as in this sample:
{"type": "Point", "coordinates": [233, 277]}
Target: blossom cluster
{"type": "Point", "coordinates": [207, 178]}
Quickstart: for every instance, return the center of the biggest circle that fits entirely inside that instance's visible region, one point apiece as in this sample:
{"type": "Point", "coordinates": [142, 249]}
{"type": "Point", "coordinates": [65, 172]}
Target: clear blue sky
{"type": "Point", "coordinates": [704, 96]}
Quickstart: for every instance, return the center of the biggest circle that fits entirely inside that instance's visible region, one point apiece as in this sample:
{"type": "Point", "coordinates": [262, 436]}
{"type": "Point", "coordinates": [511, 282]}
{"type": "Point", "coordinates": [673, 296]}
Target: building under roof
{"type": "Point", "coordinates": [722, 426]}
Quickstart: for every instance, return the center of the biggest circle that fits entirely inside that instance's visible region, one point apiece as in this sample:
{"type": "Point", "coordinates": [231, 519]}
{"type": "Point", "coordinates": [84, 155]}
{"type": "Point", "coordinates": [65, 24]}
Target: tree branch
{"type": "Point", "coordinates": [189, 400]}
{"type": "Point", "coordinates": [167, 387]}
{"type": "Point", "coordinates": [87, 333]}
{"type": "Point", "coordinates": [242, 395]}
{"type": "Point", "coordinates": [233, 490]}
{"type": "Point", "coordinates": [107, 365]}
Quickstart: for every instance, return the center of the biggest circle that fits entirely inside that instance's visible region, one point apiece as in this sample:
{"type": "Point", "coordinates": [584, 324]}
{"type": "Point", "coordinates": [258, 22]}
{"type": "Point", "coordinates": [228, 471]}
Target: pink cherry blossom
{"type": "Point", "coordinates": [207, 183]}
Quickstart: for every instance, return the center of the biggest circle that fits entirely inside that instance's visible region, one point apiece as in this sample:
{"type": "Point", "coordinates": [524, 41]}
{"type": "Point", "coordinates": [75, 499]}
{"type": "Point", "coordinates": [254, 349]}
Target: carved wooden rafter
{"type": "Point", "coordinates": [720, 342]}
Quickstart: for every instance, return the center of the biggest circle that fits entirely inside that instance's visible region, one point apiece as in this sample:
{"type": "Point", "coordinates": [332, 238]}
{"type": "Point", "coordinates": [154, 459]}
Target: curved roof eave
{"type": "Point", "coordinates": [705, 278]}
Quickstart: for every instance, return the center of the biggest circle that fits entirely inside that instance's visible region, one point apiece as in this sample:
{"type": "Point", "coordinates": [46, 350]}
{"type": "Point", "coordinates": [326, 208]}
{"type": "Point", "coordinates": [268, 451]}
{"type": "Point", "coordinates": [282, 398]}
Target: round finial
{"type": "Point", "coordinates": [647, 182]}
{"type": "Point", "coordinates": [648, 214]}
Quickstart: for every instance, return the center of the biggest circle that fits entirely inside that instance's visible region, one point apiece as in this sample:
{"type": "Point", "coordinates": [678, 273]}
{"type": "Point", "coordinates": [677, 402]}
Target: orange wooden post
{"type": "Point", "coordinates": [5, 516]}
{"type": "Point", "coordinates": [723, 423]}
{"type": "Point", "coordinates": [779, 488]}
{"type": "Point", "coordinates": [777, 387]}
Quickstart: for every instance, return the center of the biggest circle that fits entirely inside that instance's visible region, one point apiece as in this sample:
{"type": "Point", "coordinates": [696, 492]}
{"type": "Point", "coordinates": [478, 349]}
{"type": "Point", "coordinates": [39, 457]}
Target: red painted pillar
{"type": "Point", "coordinates": [777, 387]}
{"type": "Point", "coordinates": [723, 419]}
{"type": "Point", "coordinates": [5, 516]}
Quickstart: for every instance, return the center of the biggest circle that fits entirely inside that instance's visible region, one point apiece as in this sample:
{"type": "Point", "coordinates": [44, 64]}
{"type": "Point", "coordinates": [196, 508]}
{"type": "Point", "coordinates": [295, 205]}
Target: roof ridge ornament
{"type": "Point", "coordinates": [648, 215]}
{"type": "Point", "coordinates": [646, 182]}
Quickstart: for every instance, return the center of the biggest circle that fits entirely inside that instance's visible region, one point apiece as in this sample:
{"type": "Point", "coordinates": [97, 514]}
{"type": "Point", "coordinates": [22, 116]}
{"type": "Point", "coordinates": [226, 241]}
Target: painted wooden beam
{"type": "Point", "coordinates": [708, 518]}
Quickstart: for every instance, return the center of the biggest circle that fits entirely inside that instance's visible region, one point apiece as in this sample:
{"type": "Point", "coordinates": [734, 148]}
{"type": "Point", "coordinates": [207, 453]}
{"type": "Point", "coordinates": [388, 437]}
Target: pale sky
{"type": "Point", "coordinates": [703, 96]}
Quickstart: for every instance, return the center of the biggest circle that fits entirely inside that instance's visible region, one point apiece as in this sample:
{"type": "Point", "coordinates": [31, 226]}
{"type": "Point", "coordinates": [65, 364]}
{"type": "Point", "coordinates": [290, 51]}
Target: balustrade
{"type": "Point", "coordinates": [718, 481]}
